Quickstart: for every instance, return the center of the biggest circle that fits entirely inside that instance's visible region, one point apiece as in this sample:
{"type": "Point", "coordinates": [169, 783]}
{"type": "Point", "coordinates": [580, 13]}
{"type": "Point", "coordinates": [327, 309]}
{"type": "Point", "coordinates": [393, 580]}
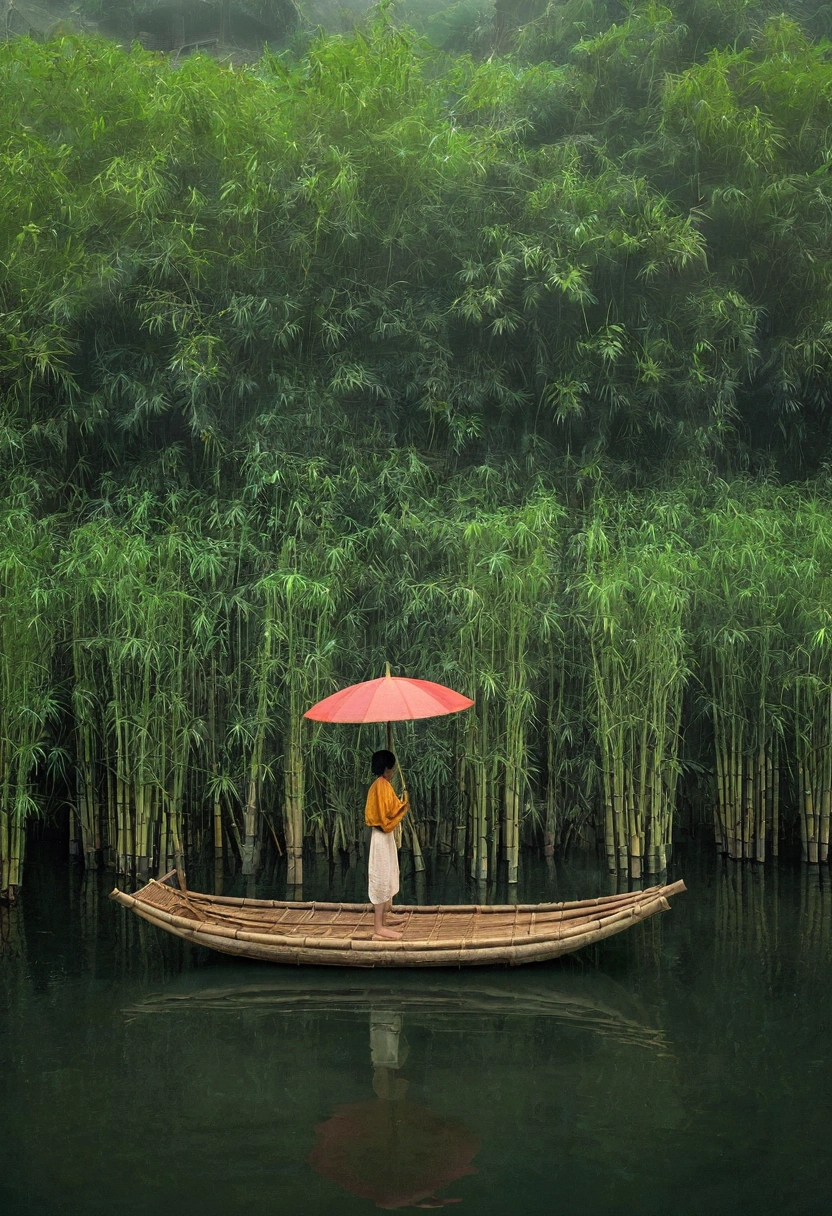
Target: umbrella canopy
{"type": "Point", "coordinates": [389, 699]}
{"type": "Point", "coordinates": [395, 1153]}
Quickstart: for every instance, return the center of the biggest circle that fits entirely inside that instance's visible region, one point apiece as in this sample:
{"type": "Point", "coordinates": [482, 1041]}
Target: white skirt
{"type": "Point", "coordinates": [384, 867]}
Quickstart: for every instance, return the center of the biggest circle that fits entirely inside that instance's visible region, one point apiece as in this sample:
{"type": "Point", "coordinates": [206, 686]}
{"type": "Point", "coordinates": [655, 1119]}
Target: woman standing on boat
{"type": "Point", "coordinates": [383, 813]}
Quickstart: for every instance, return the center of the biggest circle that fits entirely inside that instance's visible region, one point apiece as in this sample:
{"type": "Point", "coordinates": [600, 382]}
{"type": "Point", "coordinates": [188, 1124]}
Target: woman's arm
{"type": "Point", "coordinates": [394, 810]}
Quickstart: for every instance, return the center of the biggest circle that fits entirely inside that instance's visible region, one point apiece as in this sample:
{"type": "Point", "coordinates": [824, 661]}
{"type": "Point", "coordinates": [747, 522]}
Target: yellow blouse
{"type": "Point", "coordinates": [383, 809]}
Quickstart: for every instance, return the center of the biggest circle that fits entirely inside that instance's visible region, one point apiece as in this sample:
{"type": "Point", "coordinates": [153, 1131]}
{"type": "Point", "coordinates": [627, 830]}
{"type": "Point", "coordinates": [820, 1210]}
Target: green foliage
{"type": "Point", "coordinates": [27, 701]}
{"type": "Point", "coordinates": [185, 246]}
{"type": "Point", "coordinates": [368, 354]}
{"type": "Point", "coordinates": [635, 577]}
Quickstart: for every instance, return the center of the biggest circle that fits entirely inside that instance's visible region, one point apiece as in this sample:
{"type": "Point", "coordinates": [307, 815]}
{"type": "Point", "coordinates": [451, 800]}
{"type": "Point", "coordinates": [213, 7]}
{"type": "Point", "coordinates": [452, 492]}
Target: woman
{"type": "Point", "coordinates": [383, 813]}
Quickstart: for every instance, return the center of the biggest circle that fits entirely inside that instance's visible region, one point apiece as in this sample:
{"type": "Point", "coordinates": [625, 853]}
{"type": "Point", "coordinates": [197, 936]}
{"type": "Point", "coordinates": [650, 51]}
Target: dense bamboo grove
{"type": "Point", "coordinates": [183, 662]}
{"type": "Point", "coordinates": [504, 370]}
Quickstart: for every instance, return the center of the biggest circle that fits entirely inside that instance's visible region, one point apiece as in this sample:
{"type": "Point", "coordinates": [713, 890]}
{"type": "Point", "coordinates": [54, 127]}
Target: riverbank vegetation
{"type": "Point", "coordinates": [510, 369]}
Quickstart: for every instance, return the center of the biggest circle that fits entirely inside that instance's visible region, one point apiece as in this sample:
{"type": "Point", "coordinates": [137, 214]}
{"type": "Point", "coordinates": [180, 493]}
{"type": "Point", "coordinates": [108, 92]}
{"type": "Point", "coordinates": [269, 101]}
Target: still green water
{"type": "Point", "coordinates": [681, 1067]}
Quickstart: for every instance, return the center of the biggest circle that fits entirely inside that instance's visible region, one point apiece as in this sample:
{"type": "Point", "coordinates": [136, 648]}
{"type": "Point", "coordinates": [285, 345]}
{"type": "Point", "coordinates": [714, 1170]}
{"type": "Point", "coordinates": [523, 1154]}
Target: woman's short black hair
{"type": "Point", "coordinates": [381, 761]}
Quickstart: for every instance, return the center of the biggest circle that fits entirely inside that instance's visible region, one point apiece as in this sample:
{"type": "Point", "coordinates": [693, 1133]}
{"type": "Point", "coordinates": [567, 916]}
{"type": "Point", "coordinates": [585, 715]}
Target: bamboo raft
{"type": "Point", "coordinates": [341, 935]}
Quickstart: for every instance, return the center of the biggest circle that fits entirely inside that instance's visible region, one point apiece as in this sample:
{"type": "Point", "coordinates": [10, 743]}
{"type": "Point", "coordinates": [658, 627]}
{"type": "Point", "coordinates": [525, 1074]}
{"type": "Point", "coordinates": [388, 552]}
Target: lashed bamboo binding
{"type": "Point", "coordinates": [341, 935]}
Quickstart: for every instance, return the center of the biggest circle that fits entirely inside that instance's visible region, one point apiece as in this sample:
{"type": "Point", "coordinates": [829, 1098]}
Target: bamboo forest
{"type": "Point", "coordinates": [486, 343]}
{"type": "Point", "coordinates": [512, 370]}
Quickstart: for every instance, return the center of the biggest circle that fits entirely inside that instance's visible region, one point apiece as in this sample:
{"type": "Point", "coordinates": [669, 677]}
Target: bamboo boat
{"type": "Point", "coordinates": [341, 934]}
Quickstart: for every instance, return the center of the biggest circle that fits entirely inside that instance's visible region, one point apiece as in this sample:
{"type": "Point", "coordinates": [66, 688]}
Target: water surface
{"type": "Point", "coordinates": [682, 1067]}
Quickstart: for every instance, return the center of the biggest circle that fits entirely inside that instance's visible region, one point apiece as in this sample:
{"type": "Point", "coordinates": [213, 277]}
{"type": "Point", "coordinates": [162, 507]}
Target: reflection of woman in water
{"type": "Point", "coordinates": [389, 1150]}
{"type": "Point", "coordinates": [383, 813]}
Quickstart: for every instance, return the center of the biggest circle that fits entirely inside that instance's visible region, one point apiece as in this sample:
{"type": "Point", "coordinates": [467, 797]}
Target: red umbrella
{"type": "Point", "coordinates": [389, 699]}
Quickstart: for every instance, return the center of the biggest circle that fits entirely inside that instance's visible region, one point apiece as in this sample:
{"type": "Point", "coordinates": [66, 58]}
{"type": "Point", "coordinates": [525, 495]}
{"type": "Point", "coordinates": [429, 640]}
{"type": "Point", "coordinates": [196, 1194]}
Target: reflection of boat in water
{"type": "Point", "coordinates": [595, 1004]}
{"type": "Point", "coordinates": [421, 1131]}
{"type": "Point", "coordinates": [285, 931]}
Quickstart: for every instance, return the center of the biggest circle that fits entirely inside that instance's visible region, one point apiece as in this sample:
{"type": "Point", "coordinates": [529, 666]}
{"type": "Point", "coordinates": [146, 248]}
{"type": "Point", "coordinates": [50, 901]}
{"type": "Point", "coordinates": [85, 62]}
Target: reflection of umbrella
{"type": "Point", "coordinates": [395, 1153]}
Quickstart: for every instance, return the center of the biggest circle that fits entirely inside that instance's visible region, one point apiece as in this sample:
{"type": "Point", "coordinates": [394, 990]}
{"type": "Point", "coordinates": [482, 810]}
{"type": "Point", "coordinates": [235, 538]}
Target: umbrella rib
{"type": "Point", "coordinates": [390, 715]}
{"type": "Point", "coordinates": [407, 704]}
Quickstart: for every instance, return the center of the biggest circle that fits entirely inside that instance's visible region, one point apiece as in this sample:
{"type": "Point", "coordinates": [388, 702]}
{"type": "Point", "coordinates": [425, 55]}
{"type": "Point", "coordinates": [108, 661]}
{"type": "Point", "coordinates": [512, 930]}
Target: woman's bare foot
{"type": "Point", "coordinates": [388, 934]}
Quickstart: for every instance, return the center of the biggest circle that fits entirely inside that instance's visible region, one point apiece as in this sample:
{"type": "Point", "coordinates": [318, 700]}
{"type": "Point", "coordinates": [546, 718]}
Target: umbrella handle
{"type": "Point", "coordinates": [390, 749]}
{"type": "Point", "coordinates": [399, 827]}
{"type": "Point", "coordinates": [397, 831]}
